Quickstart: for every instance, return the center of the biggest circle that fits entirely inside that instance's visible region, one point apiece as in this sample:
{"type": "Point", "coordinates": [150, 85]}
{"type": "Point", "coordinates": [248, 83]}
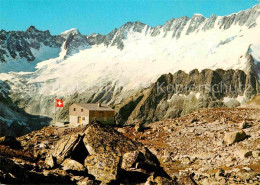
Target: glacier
{"type": "Point", "coordinates": [134, 56]}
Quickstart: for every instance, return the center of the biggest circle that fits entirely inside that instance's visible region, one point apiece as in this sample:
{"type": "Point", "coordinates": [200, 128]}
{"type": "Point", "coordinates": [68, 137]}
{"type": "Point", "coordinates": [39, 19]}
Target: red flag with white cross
{"type": "Point", "coordinates": [59, 103]}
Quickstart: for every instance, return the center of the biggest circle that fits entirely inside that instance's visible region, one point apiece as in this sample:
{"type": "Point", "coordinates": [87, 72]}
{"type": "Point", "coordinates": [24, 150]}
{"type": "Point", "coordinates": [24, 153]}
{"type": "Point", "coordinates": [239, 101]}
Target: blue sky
{"type": "Point", "coordinates": [101, 16]}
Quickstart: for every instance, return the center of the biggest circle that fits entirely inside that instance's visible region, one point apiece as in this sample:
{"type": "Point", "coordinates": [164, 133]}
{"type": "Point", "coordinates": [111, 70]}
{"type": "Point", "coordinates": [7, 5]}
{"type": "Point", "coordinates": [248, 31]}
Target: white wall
{"type": "Point", "coordinates": [74, 120]}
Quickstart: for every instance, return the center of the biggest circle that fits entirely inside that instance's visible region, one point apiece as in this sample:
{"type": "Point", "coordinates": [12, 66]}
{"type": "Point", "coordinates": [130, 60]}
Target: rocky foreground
{"type": "Point", "coordinates": [211, 146]}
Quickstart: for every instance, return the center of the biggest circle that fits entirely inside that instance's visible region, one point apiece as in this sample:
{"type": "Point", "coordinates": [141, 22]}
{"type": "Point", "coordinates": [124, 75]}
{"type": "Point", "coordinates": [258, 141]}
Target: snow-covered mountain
{"type": "Point", "coordinates": [112, 67]}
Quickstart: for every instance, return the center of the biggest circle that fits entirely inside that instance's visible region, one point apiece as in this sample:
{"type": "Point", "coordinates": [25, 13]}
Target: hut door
{"type": "Point", "coordinates": [79, 119]}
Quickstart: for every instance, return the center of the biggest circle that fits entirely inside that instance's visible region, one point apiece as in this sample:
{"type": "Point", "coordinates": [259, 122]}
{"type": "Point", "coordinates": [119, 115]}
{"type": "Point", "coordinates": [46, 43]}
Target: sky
{"type": "Point", "coordinates": [102, 16]}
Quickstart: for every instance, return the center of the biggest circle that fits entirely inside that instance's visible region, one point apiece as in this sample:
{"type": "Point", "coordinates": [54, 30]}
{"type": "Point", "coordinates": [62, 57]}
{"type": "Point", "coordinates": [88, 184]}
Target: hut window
{"type": "Point", "coordinates": [74, 109]}
{"type": "Point", "coordinates": [81, 110]}
{"type": "Point", "coordinates": [83, 118]}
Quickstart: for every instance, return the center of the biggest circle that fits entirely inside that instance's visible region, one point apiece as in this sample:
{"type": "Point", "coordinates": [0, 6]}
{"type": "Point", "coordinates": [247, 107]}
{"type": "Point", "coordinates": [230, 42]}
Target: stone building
{"type": "Point", "coordinates": [80, 113]}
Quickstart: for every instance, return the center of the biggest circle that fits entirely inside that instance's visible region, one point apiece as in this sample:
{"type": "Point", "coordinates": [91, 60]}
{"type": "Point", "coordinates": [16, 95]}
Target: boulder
{"type": "Point", "coordinates": [104, 167]}
{"type": "Point", "coordinates": [141, 160]}
{"type": "Point", "coordinates": [85, 181]}
{"type": "Point", "coordinates": [243, 125]}
{"type": "Point", "coordinates": [220, 174]}
{"type": "Point", "coordinates": [139, 127]}
{"type": "Point", "coordinates": [160, 181]}
{"type": "Point", "coordinates": [129, 160]}
{"type": "Point", "coordinates": [243, 153]}
{"type": "Point", "coordinates": [107, 154]}
{"type": "Point", "coordinates": [100, 139]}
{"type": "Point", "coordinates": [121, 130]}
{"type": "Point", "coordinates": [70, 164]}
{"type": "Point", "coordinates": [13, 173]}
{"type": "Point", "coordinates": [50, 161]}
{"type": "Point", "coordinates": [70, 146]}
{"type": "Point", "coordinates": [236, 136]}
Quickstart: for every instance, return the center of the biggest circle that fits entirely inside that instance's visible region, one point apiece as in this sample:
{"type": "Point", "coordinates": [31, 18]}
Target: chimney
{"type": "Point", "coordinates": [99, 104]}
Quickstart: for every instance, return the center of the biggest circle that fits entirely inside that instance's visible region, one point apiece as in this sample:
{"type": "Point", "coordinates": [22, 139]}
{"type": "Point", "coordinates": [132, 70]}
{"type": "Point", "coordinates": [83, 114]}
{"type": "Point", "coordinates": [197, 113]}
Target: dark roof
{"type": "Point", "coordinates": [94, 106]}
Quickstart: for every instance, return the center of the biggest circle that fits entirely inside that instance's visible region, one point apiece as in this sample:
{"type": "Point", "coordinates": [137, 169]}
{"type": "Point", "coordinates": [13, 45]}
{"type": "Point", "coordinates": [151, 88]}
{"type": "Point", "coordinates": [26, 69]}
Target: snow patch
{"type": "Point", "coordinates": [21, 64]}
{"type": "Point", "coordinates": [240, 99]}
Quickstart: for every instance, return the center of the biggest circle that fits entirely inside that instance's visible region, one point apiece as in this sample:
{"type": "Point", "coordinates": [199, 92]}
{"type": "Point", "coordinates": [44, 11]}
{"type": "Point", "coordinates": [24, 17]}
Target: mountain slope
{"type": "Point", "coordinates": [174, 95]}
{"type": "Point", "coordinates": [110, 68]}
{"type": "Point", "coordinates": [13, 120]}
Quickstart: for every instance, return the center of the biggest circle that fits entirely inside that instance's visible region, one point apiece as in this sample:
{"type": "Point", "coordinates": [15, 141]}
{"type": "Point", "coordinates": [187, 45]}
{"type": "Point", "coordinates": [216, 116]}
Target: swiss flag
{"type": "Point", "coordinates": [59, 103]}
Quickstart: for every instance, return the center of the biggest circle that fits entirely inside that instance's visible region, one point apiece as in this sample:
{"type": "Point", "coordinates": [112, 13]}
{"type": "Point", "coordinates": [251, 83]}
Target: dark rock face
{"type": "Point", "coordinates": [116, 37]}
{"type": "Point", "coordinates": [210, 23]}
{"type": "Point", "coordinates": [95, 39]}
{"type": "Point", "coordinates": [74, 42]}
{"type": "Point", "coordinates": [195, 22]}
{"type": "Point", "coordinates": [179, 26]}
{"type": "Point", "coordinates": [174, 95]}
{"type": "Point", "coordinates": [11, 142]}
{"type": "Point", "coordinates": [12, 173]}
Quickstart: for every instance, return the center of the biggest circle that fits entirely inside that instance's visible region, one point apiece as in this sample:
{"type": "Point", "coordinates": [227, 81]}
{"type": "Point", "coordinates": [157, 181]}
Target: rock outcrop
{"type": "Point", "coordinates": [177, 94]}
{"type": "Point", "coordinates": [74, 41]}
{"type": "Point", "coordinates": [106, 154]}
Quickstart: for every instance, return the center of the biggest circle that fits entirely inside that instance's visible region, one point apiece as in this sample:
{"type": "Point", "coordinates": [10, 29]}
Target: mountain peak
{"type": "Point", "coordinates": [135, 25]}
{"type": "Point", "coordinates": [32, 29]}
{"type": "Point", "coordinates": [256, 6]}
{"type": "Point", "coordinates": [198, 15]}
{"type": "Point", "coordinates": [73, 31]}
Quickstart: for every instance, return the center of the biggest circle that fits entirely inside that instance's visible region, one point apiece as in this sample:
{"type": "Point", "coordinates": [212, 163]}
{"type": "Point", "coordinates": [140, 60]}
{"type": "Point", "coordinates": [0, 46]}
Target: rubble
{"type": "Point", "coordinates": [184, 150]}
{"type": "Point", "coordinates": [205, 143]}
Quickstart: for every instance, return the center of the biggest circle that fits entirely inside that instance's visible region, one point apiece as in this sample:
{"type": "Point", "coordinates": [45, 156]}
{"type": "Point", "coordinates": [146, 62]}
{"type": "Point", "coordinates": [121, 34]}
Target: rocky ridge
{"type": "Point", "coordinates": [175, 27]}
{"type": "Point", "coordinates": [174, 95]}
{"type": "Point", "coordinates": [19, 44]}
